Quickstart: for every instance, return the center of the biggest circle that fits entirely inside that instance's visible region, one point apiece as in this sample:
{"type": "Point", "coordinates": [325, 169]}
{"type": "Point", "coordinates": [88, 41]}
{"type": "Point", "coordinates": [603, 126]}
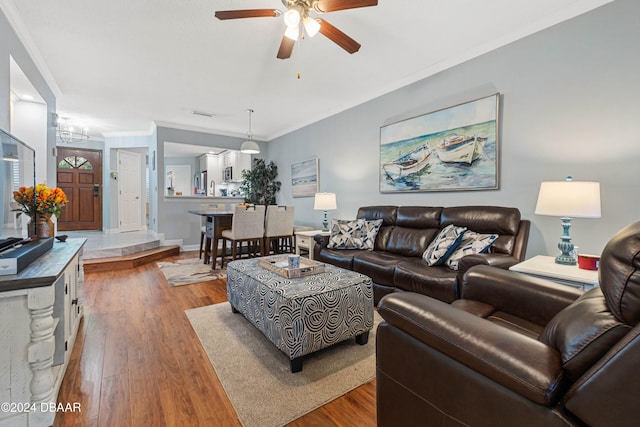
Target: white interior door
{"type": "Point", "coordinates": [130, 198]}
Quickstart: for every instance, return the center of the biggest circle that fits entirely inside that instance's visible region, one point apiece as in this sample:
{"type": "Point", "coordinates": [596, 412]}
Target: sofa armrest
{"type": "Point", "coordinates": [503, 261]}
{"type": "Point", "coordinates": [521, 364]}
{"type": "Point", "coordinates": [527, 297]}
{"type": "Point", "coordinates": [321, 241]}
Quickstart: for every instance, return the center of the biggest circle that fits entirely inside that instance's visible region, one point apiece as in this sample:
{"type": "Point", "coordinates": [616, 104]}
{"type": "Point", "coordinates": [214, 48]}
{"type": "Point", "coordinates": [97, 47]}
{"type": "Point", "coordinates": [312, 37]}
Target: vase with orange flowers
{"type": "Point", "coordinates": [41, 204]}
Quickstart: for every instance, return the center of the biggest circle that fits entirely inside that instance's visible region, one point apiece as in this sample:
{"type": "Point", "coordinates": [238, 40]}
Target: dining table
{"type": "Point", "coordinates": [216, 222]}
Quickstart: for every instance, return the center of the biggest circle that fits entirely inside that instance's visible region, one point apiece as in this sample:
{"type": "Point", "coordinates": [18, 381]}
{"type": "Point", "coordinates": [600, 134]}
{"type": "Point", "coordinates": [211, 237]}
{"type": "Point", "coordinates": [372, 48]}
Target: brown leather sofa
{"type": "Point", "coordinates": [516, 350]}
{"type": "Point", "coordinates": [395, 263]}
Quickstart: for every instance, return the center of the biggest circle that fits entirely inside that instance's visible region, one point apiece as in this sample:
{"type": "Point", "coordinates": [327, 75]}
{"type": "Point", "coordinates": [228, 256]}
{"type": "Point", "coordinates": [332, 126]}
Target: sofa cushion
{"type": "Point", "coordinates": [388, 216]}
{"type": "Point", "coordinates": [583, 332]}
{"type": "Point", "coordinates": [499, 220]}
{"type": "Point", "coordinates": [415, 228]}
{"type": "Point", "coordinates": [619, 274]}
{"type": "Point", "coordinates": [443, 245]}
{"type": "Point", "coordinates": [342, 258]}
{"type": "Point", "coordinates": [414, 275]}
{"type": "Point", "coordinates": [378, 265]}
{"type": "Point", "coordinates": [472, 243]}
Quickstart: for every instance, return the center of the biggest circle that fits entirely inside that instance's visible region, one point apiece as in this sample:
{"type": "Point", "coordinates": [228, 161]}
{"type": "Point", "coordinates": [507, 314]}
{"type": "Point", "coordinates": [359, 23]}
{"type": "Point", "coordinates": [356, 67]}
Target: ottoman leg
{"type": "Point", "coordinates": [296, 364]}
{"type": "Point", "coordinates": [233, 310]}
{"type": "Point", "coordinates": [363, 338]}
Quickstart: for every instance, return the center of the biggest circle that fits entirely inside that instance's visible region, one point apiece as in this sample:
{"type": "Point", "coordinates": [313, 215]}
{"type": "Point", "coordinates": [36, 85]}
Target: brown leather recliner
{"type": "Point", "coordinates": [516, 350]}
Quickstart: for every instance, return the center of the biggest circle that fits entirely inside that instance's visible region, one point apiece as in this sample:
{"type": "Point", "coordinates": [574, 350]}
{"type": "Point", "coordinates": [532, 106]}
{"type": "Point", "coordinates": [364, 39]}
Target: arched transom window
{"type": "Point", "coordinates": [75, 162]}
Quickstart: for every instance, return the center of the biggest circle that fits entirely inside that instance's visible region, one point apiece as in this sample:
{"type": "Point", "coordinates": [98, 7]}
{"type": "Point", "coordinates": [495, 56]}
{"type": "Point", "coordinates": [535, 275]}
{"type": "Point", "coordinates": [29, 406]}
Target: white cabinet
{"type": "Point", "coordinates": [40, 310]}
{"type": "Point", "coordinates": [243, 162]}
{"type": "Point", "coordinates": [214, 172]}
{"type": "Point", "coordinates": [211, 164]}
{"type": "Point", "coordinates": [238, 162]}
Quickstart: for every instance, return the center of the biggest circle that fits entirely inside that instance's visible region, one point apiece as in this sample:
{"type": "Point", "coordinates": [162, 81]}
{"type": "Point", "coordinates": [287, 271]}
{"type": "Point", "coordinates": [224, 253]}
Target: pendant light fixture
{"type": "Point", "coordinates": [71, 135]}
{"type": "Point", "coordinates": [250, 146]}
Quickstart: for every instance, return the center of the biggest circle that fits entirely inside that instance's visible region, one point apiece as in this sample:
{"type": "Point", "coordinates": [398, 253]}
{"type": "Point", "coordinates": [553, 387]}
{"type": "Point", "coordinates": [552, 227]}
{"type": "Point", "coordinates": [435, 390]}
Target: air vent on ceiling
{"type": "Point", "coordinates": [203, 113]}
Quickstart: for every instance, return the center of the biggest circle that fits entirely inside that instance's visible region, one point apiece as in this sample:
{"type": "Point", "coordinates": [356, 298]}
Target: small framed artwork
{"type": "Point", "coordinates": [305, 180]}
{"type": "Point", "coordinates": [452, 149]}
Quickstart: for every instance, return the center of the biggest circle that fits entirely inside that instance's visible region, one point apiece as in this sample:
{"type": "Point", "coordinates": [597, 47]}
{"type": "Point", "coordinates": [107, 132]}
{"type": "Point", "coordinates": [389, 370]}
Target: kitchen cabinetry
{"type": "Point", "coordinates": [238, 162]}
{"type": "Point", "coordinates": [40, 310]}
{"type": "Point", "coordinates": [211, 164]}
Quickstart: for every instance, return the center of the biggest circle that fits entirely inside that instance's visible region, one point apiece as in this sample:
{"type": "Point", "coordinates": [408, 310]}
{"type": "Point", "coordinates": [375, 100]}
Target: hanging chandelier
{"type": "Point", "coordinates": [250, 146]}
{"type": "Point", "coordinates": [71, 135]}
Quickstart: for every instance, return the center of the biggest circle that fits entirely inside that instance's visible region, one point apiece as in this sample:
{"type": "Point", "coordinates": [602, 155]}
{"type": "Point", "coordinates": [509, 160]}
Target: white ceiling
{"type": "Point", "coordinates": [118, 66]}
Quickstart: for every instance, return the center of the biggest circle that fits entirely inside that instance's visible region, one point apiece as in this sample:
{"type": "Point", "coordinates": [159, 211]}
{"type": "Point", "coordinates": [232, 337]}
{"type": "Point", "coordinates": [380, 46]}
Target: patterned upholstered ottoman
{"type": "Point", "coordinates": [303, 315]}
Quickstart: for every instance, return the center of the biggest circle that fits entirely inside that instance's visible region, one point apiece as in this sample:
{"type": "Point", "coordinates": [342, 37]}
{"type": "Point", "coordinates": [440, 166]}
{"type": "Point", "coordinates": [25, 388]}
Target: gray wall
{"type": "Point", "coordinates": [173, 219]}
{"type": "Point", "coordinates": [570, 105]}
{"type": "Point", "coordinates": [10, 46]}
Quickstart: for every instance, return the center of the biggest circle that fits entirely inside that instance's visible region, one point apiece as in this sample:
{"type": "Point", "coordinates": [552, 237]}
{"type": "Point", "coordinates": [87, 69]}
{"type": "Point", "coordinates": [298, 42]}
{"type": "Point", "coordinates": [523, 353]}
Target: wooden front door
{"type": "Point", "coordinates": [79, 175]}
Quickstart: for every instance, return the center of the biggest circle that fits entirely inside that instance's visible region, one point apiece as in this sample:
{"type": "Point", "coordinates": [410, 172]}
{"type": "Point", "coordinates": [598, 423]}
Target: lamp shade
{"type": "Point", "coordinates": [574, 199]}
{"type": "Point", "coordinates": [249, 147]}
{"type": "Point", "coordinates": [325, 202]}
{"type": "Point", "coordinates": [311, 26]}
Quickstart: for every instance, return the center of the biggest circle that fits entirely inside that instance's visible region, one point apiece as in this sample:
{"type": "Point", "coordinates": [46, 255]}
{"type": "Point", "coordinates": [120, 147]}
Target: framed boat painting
{"type": "Point", "coordinates": [304, 178]}
{"type": "Point", "coordinates": [452, 149]}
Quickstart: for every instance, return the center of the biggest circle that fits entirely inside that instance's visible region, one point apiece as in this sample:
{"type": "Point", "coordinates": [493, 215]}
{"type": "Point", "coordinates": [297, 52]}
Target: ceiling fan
{"type": "Point", "coordinates": [298, 13]}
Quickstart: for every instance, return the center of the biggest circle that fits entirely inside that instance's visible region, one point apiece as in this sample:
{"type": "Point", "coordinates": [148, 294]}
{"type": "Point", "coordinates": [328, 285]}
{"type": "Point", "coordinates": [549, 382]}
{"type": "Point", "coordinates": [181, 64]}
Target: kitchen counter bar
{"type": "Point", "coordinates": [191, 198]}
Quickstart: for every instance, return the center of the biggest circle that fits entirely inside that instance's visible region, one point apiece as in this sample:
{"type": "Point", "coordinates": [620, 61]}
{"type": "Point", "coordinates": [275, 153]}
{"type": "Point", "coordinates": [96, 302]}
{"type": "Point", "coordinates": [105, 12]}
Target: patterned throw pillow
{"type": "Point", "coordinates": [443, 245]}
{"type": "Point", "coordinates": [353, 234]}
{"type": "Point", "coordinates": [371, 229]}
{"type": "Point", "coordinates": [472, 243]}
{"type": "Point", "coordinates": [347, 234]}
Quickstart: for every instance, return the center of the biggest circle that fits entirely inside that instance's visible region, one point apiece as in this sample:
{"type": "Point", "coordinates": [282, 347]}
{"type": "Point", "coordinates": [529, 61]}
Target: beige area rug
{"type": "Point", "coordinates": [189, 271]}
{"type": "Point", "coordinates": [256, 375]}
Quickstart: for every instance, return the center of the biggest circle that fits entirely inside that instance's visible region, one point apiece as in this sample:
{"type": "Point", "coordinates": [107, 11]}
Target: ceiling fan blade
{"type": "Point", "coordinates": [286, 47]}
{"type": "Point", "coordinates": [324, 6]}
{"type": "Point", "coordinates": [338, 37]}
{"type": "Point", "coordinates": [248, 13]}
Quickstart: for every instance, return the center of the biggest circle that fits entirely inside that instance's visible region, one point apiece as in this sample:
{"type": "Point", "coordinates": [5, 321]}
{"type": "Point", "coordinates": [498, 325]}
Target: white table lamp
{"type": "Point", "coordinates": [568, 199]}
{"type": "Point", "coordinates": [325, 202]}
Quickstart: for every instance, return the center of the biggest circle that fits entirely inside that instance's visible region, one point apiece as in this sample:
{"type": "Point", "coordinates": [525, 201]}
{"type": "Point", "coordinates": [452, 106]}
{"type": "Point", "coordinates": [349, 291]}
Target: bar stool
{"type": "Point", "coordinates": [203, 229]}
{"type": "Point", "coordinates": [247, 226]}
{"type": "Point", "coordinates": [278, 229]}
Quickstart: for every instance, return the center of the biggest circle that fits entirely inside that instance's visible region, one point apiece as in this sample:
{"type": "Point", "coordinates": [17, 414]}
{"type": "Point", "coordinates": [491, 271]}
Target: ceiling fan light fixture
{"type": "Point", "coordinates": [292, 18]}
{"type": "Point", "coordinates": [292, 32]}
{"type": "Point", "coordinates": [311, 26]}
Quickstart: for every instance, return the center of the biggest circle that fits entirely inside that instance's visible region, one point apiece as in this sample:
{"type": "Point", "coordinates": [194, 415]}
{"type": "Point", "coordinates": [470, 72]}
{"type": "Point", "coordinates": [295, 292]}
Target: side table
{"type": "Point", "coordinates": [305, 242]}
{"type": "Point", "coordinates": [545, 267]}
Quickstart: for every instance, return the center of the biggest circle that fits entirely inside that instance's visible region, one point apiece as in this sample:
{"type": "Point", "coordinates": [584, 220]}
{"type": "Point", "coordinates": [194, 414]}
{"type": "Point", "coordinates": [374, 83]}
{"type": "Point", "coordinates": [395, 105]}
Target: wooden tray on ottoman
{"type": "Point", "coordinates": [307, 266]}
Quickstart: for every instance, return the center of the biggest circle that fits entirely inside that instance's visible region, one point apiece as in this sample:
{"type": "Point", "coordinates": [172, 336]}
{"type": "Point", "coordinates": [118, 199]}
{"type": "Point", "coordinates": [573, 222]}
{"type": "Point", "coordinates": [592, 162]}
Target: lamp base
{"type": "Point", "coordinates": [325, 222]}
{"type": "Point", "coordinates": [566, 245]}
{"type": "Point", "coordinates": [565, 260]}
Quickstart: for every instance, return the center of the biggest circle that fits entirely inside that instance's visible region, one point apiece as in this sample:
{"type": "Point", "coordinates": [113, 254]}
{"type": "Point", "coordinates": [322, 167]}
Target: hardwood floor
{"type": "Point", "coordinates": [138, 362]}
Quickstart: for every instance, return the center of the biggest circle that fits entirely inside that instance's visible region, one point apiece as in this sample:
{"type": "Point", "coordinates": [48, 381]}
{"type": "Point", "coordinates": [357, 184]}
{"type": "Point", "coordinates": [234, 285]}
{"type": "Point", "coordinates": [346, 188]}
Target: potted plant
{"type": "Point", "coordinates": [259, 184]}
{"type": "Point", "coordinates": [170, 189]}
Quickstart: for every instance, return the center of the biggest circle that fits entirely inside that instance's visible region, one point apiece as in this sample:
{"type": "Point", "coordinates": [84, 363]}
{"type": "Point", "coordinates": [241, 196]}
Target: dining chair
{"type": "Point", "coordinates": [247, 226]}
{"type": "Point", "coordinates": [204, 239]}
{"type": "Point", "coordinates": [278, 229]}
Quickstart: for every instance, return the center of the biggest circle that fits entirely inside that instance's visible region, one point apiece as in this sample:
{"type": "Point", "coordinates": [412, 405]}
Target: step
{"type": "Point", "coordinates": [120, 250]}
{"type": "Point", "coordinates": [129, 260]}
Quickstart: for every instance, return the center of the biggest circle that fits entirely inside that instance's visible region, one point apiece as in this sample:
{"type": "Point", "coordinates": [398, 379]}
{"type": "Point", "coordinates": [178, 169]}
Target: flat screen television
{"type": "Point", "coordinates": [17, 169]}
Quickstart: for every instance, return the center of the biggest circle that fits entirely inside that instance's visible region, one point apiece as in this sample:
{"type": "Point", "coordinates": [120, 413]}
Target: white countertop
{"type": "Point", "coordinates": [192, 197]}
